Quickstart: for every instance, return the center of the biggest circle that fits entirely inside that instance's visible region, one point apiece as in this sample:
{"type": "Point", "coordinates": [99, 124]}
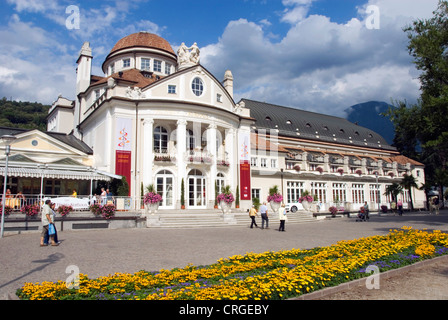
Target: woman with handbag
{"type": "Point", "coordinates": [52, 227]}
{"type": "Point", "coordinates": [47, 220]}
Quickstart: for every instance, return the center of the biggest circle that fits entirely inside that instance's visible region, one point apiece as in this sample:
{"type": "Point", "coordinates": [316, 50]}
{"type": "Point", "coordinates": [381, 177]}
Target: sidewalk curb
{"type": "Point", "coordinates": [360, 282]}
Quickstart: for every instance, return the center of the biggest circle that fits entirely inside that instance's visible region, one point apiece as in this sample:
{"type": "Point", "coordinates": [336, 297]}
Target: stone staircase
{"type": "Point", "coordinates": [208, 218]}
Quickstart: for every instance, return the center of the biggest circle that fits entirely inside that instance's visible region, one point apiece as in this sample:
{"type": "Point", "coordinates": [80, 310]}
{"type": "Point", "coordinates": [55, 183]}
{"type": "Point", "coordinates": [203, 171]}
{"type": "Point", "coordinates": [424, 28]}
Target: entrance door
{"type": "Point", "coordinates": [164, 187]}
{"type": "Point", "coordinates": [196, 190]}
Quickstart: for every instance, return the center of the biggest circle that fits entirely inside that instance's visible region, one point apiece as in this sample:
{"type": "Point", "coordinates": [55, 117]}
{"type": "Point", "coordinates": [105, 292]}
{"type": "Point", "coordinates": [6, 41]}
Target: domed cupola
{"type": "Point", "coordinates": [144, 51]}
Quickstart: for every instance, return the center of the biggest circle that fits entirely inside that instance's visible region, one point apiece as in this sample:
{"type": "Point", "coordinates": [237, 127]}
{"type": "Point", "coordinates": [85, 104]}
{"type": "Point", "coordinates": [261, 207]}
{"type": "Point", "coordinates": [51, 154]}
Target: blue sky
{"type": "Point", "coordinates": [317, 55]}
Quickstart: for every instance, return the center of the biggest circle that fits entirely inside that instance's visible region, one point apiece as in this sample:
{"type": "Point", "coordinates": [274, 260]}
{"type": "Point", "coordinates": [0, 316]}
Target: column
{"type": "Point", "coordinates": [148, 148]}
{"type": "Point", "coordinates": [233, 156]}
{"type": "Point", "coordinates": [211, 149]}
{"type": "Point", "coordinates": [181, 136]}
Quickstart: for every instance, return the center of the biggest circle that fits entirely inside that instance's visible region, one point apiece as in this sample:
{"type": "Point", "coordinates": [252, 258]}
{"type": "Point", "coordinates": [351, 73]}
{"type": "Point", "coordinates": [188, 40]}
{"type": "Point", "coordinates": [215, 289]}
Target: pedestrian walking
{"type": "Point", "coordinates": [282, 216]}
{"type": "Point", "coordinates": [252, 215]}
{"type": "Point", "coordinates": [264, 215]}
{"type": "Point", "coordinates": [435, 202]}
{"type": "Point", "coordinates": [46, 221]}
{"type": "Point", "coordinates": [53, 215]}
{"type": "Point", "coordinates": [400, 207]}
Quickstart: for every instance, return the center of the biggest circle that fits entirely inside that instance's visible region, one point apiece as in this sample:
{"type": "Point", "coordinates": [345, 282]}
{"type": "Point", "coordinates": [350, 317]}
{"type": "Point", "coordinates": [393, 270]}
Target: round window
{"type": "Point", "coordinates": [34, 142]}
{"type": "Point", "coordinates": [197, 86]}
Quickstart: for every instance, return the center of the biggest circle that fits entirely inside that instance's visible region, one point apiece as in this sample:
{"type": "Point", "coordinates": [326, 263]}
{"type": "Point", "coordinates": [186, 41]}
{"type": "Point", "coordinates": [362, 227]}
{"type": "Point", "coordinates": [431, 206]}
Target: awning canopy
{"type": "Point", "coordinates": [49, 173]}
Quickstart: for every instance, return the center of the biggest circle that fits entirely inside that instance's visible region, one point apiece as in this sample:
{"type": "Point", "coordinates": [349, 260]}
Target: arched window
{"type": "Point", "coordinates": [197, 195]}
{"type": "Point", "coordinates": [220, 182]}
{"type": "Point", "coordinates": [164, 187]}
{"type": "Point", "coordinates": [160, 140]}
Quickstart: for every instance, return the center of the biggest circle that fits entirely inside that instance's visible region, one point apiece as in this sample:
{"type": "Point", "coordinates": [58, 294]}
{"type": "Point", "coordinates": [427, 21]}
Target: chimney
{"type": "Point", "coordinates": [84, 68]}
{"type": "Point", "coordinates": [228, 82]}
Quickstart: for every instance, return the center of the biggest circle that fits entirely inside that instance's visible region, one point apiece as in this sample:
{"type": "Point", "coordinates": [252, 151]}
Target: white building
{"type": "Point", "coordinates": [158, 117]}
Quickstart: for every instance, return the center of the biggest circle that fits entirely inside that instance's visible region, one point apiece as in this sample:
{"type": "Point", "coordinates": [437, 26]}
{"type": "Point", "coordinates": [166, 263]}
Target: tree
{"type": "Point", "coordinates": [393, 190]}
{"type": "Point", "coordinates": [182, 194]}
{"type": "Point", "coordinates": [408, 183]}
{"type": "Point", "coordinates": [421, 130]}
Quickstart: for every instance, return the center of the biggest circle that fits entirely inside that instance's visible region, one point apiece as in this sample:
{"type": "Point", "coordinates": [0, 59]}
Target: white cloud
{"type": "Point", "coordinates": [321, 65]}
{"type": "Point", "coordinates": [34, 66]}
{"type": "Point", "coordinates": [299, 11]}
{"type": "Point", "coordinates": [34, 5]}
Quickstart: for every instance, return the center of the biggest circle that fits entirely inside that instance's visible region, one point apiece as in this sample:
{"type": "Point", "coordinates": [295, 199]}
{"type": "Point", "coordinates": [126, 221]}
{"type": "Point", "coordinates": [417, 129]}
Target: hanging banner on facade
{"type": "Point", "coordinates": [244, 162]}
{"type": "Point", "coordinates": [123, 146]}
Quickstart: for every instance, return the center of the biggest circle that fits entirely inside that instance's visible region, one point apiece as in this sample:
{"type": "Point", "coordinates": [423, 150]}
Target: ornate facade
{"type": "Point", "coordinates": [159, 117]}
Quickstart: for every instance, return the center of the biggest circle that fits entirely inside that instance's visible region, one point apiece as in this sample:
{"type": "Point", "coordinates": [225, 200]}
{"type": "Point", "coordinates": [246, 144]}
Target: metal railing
{"type": "Point", "coordinates": [79, 203]}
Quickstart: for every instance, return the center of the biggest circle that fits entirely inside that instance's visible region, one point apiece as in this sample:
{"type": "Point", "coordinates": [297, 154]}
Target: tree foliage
{"type": "Point", "coordinates": [421, 130]}
{"type": "Point", "coordinates": [21, 114]}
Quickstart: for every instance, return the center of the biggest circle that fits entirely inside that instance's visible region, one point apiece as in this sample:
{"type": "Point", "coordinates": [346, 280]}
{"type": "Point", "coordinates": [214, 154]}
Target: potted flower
{"type": "Point", "coordinates": [306, 199]}
{"type": "Point", "coordinates": [358, 172]}
{"type": "Point", "coordinates": [320, 170]}
{"type": "Point", "coordinates": [341, 171]}
{"type": "Point", "coordinates": [8, 210]}
{"type": "Point", "coordinates": [108, 211]}
{"type": "Point", "coordinates": [275, 198]}
{"type": "Point", "coordinates": [64, 210]}
{"type": "Point", "coordinates": [152, 199]}
{"type": "Point", "coordinates": [297, 168]}
{"type": "Point", "coordinates": [225, 199]}
{"type": "Point", "coordinates": [333, 211]}
{"type": "Point", "coordinates": [30, 210]}
{"type": "Point", "coordinates": [96, 209]}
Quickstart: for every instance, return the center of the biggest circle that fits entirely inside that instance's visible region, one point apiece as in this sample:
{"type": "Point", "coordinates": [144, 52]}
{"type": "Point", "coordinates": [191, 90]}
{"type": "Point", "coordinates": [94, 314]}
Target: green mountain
{"type": "Point", "coordinates": [22, 114]}
{"type": "Point", "coordinates": [368, 115]}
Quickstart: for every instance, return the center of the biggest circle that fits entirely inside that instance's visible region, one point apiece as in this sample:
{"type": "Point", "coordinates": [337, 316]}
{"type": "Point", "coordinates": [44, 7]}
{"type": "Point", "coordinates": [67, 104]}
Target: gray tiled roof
{"type": "Point", "coordinates": [68, 139]}
{"type": "Point", "coordinates": [313, 126]}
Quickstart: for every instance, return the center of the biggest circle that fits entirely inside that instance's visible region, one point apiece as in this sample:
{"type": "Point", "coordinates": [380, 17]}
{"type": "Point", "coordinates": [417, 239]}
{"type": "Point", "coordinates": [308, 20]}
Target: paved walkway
{"type": "Point", "coordinates": [103, 252]}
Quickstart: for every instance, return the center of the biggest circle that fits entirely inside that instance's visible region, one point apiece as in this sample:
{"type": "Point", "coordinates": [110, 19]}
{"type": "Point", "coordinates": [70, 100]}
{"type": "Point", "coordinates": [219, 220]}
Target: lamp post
{"type": "Point", "coordinates": [378, 193]}
{"type": "Point", "coordinates": [7, 140]}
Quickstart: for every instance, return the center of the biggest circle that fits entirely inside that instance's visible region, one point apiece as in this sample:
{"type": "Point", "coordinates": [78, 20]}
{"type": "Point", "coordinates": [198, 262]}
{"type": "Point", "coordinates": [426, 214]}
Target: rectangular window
{"type": "Point", "coordinates": [112, 69]}
{"type": "Point", "coordinates": [294, 191]}
{"type": "Point", "coordinates": [145, 64]}
{"type": "Point", "coordinates": [218, 97]}
{"type": "Point", "coordinates": [167, 68]}
{"type": "Point", "coordinates": [290, 165]}
{"type": "Point", "coordinates": [319, 189]}
{"type": "Point", "coordinates": [126, 63]}
{"type": "Point", "coordinates": [358, 193]}
{"type": "Point", "coordinates": [157, 66]}
{"type": "Point", "coordinates": [339, 193]}
{"type": "Point", "coordinates": [256, 194]}
{"type": "Point", "coordinates": [171, 89]}
{"type": "Point", "coordinates": [253, 162]}
{"type": "Point", "coordinates": [263, 162]}
{"type": "Point", "coordinates": [374, 193]}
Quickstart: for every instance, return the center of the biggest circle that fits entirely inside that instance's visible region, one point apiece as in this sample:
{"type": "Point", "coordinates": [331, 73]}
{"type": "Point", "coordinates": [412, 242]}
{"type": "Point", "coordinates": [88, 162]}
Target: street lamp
{"type": "Point", "coordinates": [7, 140]}
{"type": "Point", "coordinates": [378, 193]}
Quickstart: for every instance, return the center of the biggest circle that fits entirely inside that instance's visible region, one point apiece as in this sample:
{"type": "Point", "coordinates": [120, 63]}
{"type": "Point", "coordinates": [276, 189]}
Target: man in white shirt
{"type": "Point", "coordinates": [46, 221]}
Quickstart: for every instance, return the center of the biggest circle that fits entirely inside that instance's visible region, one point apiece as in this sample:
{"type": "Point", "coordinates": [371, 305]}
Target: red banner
{"type": "Point", "coordinates": [123, 165]}
{"type": "Point", "coordinates": [245, 180]}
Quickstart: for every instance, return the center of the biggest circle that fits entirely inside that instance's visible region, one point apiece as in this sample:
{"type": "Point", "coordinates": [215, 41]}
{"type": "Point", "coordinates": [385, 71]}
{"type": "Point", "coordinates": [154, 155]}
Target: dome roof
{"type": "Point", "coordinates": [142, 39]}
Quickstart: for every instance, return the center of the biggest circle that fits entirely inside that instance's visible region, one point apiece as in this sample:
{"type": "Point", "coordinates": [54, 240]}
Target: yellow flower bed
{"type": "Point", "coordinates": [269, 275]}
